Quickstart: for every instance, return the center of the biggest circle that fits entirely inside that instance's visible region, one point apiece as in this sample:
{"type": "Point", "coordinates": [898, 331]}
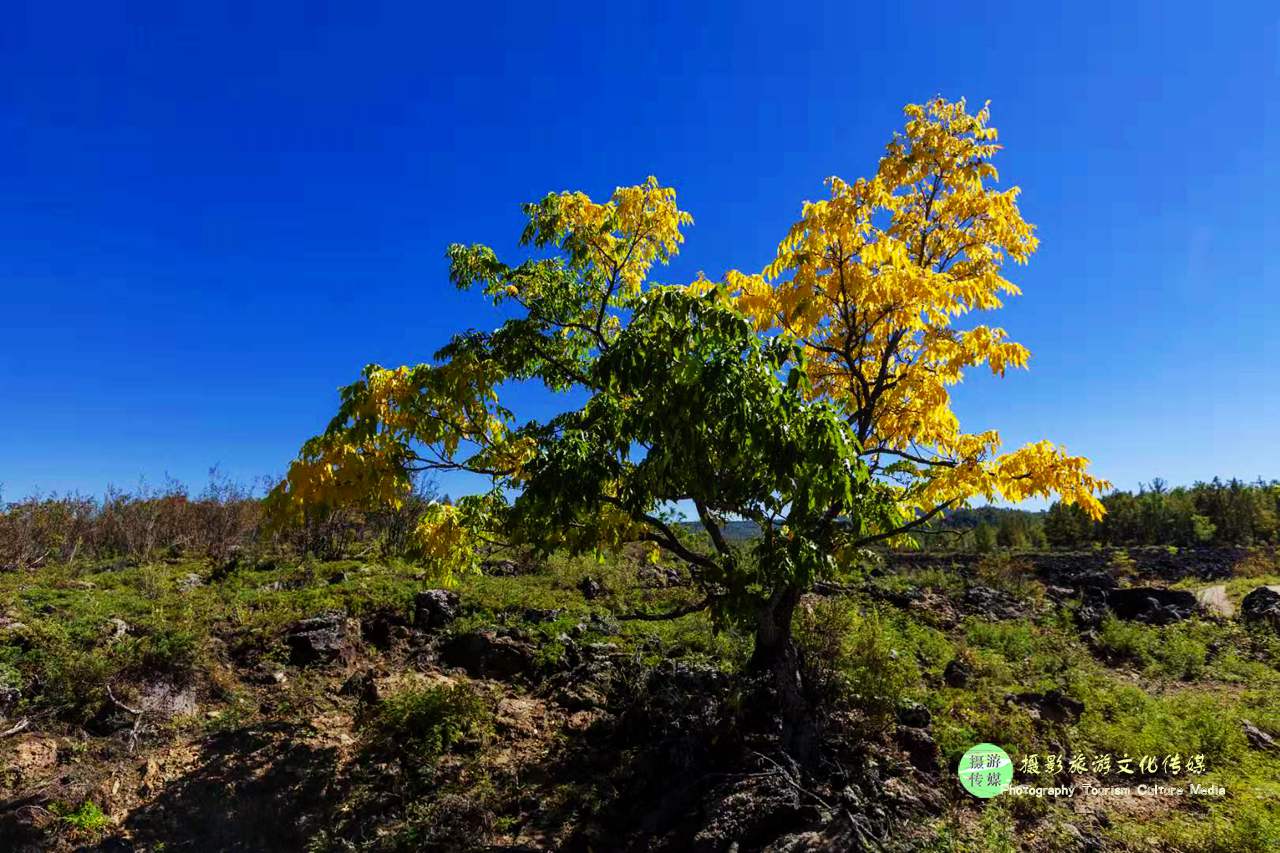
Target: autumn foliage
{"type": "Point", "coordinates": [812, 397]}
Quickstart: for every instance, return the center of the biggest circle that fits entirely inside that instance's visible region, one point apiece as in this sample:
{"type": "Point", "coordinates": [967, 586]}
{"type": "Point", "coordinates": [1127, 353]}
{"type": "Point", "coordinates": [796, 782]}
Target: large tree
{"type": "Point", "coordinates": [811, 398]}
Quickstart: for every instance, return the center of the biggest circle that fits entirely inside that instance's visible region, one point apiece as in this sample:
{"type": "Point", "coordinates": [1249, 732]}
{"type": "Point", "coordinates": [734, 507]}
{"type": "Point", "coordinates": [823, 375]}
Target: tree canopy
{"type": "Point", "coordinates": [812, 397]}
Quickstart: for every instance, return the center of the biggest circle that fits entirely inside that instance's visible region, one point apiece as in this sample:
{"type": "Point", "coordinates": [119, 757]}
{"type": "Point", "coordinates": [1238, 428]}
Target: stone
{"type": "Point", "coordinates": [9, 698]}
{"type": "Point", "coordinates": [485, 654]}
{"type": "Point", "coordinates": [501, 568]}
{"type": "Point", "coordinates": [920, 748]}
{"type": "Point", "coordinates": [1213, 600]}
{"type": "Point", "coordinates": [1152, 605]}
{"type": "Point", "coordinates": [1258, 739]}
{"type": "Point", "coordinates": [384, 628]}
{"type": "Point", "coordinates": [321, 639]}
{"type": "Point", "coordinates": [188, 582]}
{"type": "Point", "coordinates": [658, 577]}
{"type": "Point", "coordinates": [957, 673]}
{"type": "Point", "coordinates": [435, 608]}
{"type": "Point", "coordinates": [590, 588]}
{"type": "Point", "coordinates": [1053, 705]}
{"type": "Point", "coordinates": [1262, 605]}
{"type": "Point", "coordinates": [914, 714]}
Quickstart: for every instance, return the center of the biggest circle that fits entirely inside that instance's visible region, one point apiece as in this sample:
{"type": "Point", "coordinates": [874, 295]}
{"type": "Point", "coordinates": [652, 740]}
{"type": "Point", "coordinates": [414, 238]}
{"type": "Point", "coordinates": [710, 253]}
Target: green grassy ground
{"type": "Point", "coordinates": [1145, 690]}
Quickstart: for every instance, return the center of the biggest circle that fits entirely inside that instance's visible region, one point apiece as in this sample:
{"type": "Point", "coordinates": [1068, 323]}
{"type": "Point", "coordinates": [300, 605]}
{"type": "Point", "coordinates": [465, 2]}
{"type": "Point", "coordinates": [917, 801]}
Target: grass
{"type": "Point", "coordinates": [423, 722]}
{"type": "Point", "coordinates": [1145, 689]}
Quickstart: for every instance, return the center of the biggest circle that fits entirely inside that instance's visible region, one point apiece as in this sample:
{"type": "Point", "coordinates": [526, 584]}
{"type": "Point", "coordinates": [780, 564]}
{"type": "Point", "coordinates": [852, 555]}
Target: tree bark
{"type": "Point", "coordinates": [777, 658]}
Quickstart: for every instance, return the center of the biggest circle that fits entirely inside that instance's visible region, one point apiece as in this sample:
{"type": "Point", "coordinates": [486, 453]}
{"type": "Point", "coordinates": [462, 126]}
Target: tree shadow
{"type": "Point", "coordinates": [254, 789]}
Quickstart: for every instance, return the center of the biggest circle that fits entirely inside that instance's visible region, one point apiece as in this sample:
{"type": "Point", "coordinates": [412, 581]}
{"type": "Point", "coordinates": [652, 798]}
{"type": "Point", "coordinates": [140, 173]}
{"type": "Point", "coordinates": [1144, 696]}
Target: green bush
{"type": "Point", "coordinates": [87, 818]}
{"type": "Point", "coordinates": [425, 722]}
{"type": "Point", "coordinates": [856, 655]}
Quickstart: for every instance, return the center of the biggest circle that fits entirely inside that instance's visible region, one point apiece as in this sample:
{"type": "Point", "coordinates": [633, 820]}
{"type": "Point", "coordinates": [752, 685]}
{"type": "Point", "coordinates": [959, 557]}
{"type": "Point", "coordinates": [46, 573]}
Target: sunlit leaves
{"type": "Point", "coordinates": [812, 397]}
{"type": "Point", "coordinates": [873, 280]}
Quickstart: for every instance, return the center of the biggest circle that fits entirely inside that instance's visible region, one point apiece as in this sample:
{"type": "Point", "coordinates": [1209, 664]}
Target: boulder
{"type": "Point", "coordinates": [9, 698]}
{"type": "Point", "coordinates": [658, 577]}
{"type": "Point", "coordinates": [1257, 738]}
{"type": "Point", "coordinates": [1262, 605]}
{"type": "Point", "coordinates": [188, 582]}
{"type": "Point", "coordinates": [957, 673]}
{"type": "Point", "coordinates": [991, 603]}
{"type": "Point", "coordinates": [321, 639]}
{"type": "Point", "coordinates": [435, 608]}
{"type": "Point", "coordinates": [920, 748]}
{"type": "Point", "coordinates": [1153, 605]}
{"type": "Point", "coordinates": [485, 654]}
{"type": "Point", "coordinates": [1213, 600]}
{"type": "Point", "coordinates": [384, 628]}
{"type": "Point", "coordinates": [1054, 705]}
{"type": "Point", "coordinates": [914, 714]}
{"type": "Point", "coordinates": [590, 588]}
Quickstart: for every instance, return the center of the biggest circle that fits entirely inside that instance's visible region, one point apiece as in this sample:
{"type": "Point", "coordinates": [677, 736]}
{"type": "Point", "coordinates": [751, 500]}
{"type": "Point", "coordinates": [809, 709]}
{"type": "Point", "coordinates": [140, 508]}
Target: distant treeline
{"type": "Point", "coordinates": [226, 517]}
{"type": "Point", "coordinates": [1218, 512]}
{"type": "Point", "coordinates": [222, 519]}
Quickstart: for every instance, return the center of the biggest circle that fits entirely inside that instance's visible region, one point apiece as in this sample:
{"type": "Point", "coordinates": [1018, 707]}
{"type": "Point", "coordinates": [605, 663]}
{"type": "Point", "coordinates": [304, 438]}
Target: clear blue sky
{"type": "Point", "coordinates": [212, 216]}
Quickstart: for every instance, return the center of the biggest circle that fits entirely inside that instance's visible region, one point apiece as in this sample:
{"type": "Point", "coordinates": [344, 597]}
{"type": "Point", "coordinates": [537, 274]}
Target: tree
{"type": "Point", "coordinates": [811, 399]}
{"type": "Point", "coordinates": [1066, 526]}
{"type": "Point", "coordinates": [984, 538]}
{"type": "Point", "coordinates": [1012, 532]}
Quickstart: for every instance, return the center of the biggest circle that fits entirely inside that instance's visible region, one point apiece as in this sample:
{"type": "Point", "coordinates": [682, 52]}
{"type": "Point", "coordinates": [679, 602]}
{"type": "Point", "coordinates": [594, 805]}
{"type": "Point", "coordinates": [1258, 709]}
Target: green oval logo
{"type": "Point", "coordinates": [986, 770]}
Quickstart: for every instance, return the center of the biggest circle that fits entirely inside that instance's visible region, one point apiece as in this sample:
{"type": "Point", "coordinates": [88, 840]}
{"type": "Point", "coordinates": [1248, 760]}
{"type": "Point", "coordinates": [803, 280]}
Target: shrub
{"type": "Point", "coordinates": [87, 818]}
{"type": "Point", "coordinates": [425, 722]}
{"type": "Point", "coordinates": [856, 656]}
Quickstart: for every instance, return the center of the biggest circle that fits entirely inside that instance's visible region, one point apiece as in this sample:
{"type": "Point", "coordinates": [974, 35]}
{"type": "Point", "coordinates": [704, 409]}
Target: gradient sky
{"type": "Point", "coordinates": [210, 218]}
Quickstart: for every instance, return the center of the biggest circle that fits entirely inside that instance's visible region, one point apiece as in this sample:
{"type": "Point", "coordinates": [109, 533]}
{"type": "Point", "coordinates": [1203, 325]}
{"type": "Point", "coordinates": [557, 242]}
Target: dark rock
{"type": "Point", "coordinates": [340, 577]}
{"type": "Point", "coordinates": [484, 654]}
{"type": "Point", "coordinates": [1152, 605]}
{"type": "Point", "coordinates": [321, 639]}
{"type": "Point", "coordinates": [363, 686]}
{"type": "Point", "coordinates": [1054, 705]}
{"type": "Point", "coordinates": [761, 805]}
{"type": "Point", "coordinates": [9, 697]}
{"type": "Point", "coordinates": [591, 588]}
{"type": "Point", "coordinates": [536, 615]}
{"type": "Point", "coordinates": [914, 714]}
{"type": "Point", "coordinates": [920, 748]}
{"type": "Point", "coordinates": [1262, 605]}
{"type": "Point", "coordinates": [1097, 579]}
{"type": "Point", "coordinates": [957, 673]}
{"type": "Point", "coordinates": [658, 577]}
{"type": "Point", "coordinates": [435, 608]}
{"type": "Point", "coordinates": [384, 628]}
{"type": "Point", "coordinates": [991, 603]}
{"type": "Point", "coordinates": [579, 697]}
{"type": "Point", "coordinates": [502, 568]}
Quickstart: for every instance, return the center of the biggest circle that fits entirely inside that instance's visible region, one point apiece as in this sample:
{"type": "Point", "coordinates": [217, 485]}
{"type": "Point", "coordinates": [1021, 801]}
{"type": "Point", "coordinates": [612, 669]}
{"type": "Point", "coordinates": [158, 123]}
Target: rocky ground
{"type": "Point", "coordinates": [351, 706]}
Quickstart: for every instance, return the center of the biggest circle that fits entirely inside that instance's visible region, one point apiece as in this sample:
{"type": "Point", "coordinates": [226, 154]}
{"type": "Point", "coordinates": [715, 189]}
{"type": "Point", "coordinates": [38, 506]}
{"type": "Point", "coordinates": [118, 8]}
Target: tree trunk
{"type": "Point", "coordinates": [778, 659]}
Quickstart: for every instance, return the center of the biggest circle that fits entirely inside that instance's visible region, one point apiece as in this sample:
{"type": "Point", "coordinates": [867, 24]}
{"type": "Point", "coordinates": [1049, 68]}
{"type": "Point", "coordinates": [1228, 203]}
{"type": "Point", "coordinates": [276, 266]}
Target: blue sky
{"type": "Point", "coordinates": [213, 215]}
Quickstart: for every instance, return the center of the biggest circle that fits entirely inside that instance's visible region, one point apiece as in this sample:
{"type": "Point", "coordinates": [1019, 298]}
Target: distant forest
{"type": "Point", "coordinates": [1225, 513]}
{"type": "Point", "coordinates": [226, 518]}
